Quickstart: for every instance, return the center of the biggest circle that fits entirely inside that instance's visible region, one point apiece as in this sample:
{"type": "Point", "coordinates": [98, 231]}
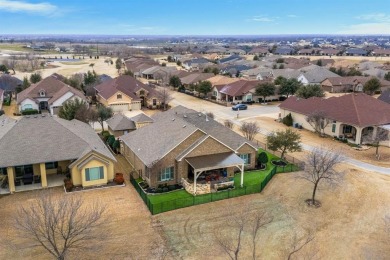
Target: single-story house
{"type": "Point", "coordinates": [195, 78]}
{"type": "Point", "coordinates": [258, 73]}
{"type": "Point", "coordinates": [381, 52]}
{"type": "Point", "coordinates": [186, 147]}
{"type": "Point", "coordinates": [342, 84]}
{"type": "Point", "coordinates": [315, 75]}
{"type": "Point", "coordinates": [125, 93]}
{"type": "Point", "coordinates": [356, 52]}
{"type": "Point", "coordinates": [40, 151]}
{"type": "Point", "coordinates": [259, 51]}
{"type": "Point", "coordinates": [352, 116]}
{"type": "Point", "coordinates": [120, 124]}
{"type": "Point", "coordinates": [196, 64]}
{"type": "Point", "coordinates": [48, 94]}
{"type": "Point", "coordinates": [230, 59]}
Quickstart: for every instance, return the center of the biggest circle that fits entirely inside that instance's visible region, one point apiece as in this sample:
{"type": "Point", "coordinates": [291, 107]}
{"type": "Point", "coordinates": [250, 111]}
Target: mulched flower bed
{"type": "Point", "coordinates": [316, 204]}
{"type": "Point", "coordinates": [108, 185]}
{"type": "Point", "coordinates": [279, 163]}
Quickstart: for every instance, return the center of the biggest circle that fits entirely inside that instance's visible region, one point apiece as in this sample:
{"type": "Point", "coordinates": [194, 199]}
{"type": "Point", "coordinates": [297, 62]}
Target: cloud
{"type": "Point", "coordinates": [25, 7]}
{"type": "Point", "coordinates": [292, 16]}
{"type": "Point", "coordinates": [367, 28]}
{"type": "Point", "coordinates": [135, 28]}
{"type": "Point", "coordinates": [377, 17]}
{"type": "Point", "coordinates": [262, 18]}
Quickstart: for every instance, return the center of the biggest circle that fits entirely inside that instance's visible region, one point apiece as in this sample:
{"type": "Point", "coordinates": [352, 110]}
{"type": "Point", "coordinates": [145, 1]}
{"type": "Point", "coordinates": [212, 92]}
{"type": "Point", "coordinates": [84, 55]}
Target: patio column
{"type": "Point", "coordinates": [195, 177]}
{"type": "Point", "coordinates": [358, 137]}
{"type": "Point", "coordinates": [42, 168]}
{"type": "Point", "coordinates": [11, 179]}
{"type": "Point", "coordinates": [242, 175]}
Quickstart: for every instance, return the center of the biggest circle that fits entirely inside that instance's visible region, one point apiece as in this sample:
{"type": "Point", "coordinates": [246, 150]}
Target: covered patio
{"type": "Point", "coordinates": [219, 162]}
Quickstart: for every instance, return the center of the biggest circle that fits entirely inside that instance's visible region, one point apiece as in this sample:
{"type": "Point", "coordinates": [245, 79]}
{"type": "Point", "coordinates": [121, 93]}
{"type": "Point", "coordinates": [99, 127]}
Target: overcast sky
{"type": "Point", "coordinates": [195, 17]}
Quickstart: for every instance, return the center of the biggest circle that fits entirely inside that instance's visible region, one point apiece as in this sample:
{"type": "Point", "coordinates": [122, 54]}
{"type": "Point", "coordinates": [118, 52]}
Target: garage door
{"type": "Point", "coordinates": [120, 107]}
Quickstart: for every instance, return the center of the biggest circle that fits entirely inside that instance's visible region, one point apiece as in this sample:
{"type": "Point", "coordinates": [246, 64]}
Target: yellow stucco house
{"type": "Point", "coordinates": [41, 151]}
{"type": "Point", "coordinates": [125, 93]}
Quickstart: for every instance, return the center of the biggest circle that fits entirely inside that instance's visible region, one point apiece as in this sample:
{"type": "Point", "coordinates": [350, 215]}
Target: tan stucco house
{"type": "Point", "coordinates": [48, 94]}
{"type": "Point", "coordinates": [125, 93]}
{"type": "Point", "coordinates": [40, 151]}
{"type": "Point", "coordinates": [351, 116]}
{"type": "Point", "coordinates": [183, 146]}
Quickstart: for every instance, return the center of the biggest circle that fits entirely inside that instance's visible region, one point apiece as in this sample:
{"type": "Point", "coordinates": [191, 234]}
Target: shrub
{"type": "Point", "coordinates": [165, 189]}
{"type": "Point", "coordinates": [30, 112]}
{"type": "Point", "coordinates": [1, 112]}
{"type": "Point", "coordinates": [118, 179]}
{"type": "Point", "coordinates": [105, 135]}
{"type": "Point", "coordinates": [110, 140]}
{"type": "Point", "coordinates": [288, 120]}
{"type": "Point", "coordinates": [159, 190]}
{"type": "Point", "coordinates": [171, 187]}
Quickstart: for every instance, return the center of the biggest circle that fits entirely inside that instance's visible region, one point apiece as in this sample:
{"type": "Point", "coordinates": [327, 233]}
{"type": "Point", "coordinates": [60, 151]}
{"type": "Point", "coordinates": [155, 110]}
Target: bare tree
{"type": "Point", "coordinates": [298, 245]}
{"type": "Point", "coordinates": [320, 166]}
{"type": "Point", "coordinates": [260, 219]}
{"type": "Point", "coordinates": [317, 119]}
{"type": "Point", "coordinates": [62, 224]}
{"type": "Point", "coordinates": [249, 130]}
{"type": "Point", "coordinates": [228, 123]}
{"type": "Point", "coordinates": [241, 223]}
{"type": "Point", "coordinates": [165, 96]}
{"type": "Point", "coordinates": [375, 138]}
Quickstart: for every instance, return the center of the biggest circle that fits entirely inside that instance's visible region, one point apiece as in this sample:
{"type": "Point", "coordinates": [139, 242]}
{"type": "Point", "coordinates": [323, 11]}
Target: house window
{"type": "Point", "coordinates": [246, 157]}
{"type": "Point", "coordinates": [27, 106]}
{"type": "Point", "coordinates": [154, 102]}
{"type": "Point", "coordinates": [166, 174]}
{"type": "Point", "coordinates": [119, 96]}
{"type": "Point", "coordinates": [51, 165]}
{"type": "Point", "coordinates": [42, 93]}
{"type": "Point", "coordinates": [347, 129]}
{"type": "Point", "coordinates": [142, 92]}
{"type": "Point", "coordinates": [93, 174]}
{"type": "Point", "coordinates": [215, 93]}
{"type": "Point", "coordinates": [20, 171]}
{"type": "Point", "coordinates": [3, 171]}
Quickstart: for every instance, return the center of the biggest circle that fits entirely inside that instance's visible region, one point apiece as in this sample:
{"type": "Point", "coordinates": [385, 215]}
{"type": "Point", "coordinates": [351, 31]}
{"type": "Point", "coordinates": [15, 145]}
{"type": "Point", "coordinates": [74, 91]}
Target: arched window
{"type": "Point", "coordinates": [119, 96]}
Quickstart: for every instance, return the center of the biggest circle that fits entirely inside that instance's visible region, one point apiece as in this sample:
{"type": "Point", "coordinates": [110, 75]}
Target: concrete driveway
{"type": "Point", "coordinates": [222, 112]}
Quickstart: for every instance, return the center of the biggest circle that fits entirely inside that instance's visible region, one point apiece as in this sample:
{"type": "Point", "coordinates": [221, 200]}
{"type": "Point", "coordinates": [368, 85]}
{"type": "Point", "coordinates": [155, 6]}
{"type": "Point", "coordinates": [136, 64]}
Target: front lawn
{"type": "Point", "coordinates": [251, 177]}
{"type": "Point", "coordinates": [173, 195]}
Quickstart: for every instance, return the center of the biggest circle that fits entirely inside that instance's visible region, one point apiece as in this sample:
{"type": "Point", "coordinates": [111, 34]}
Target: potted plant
{"type": "Point", "coordinates": [68, 184]}
{"type": "Point", "coordinates": [118, 179]}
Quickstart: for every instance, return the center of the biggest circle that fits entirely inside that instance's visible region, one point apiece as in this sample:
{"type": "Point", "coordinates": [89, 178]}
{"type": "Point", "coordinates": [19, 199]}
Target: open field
{"type": "Point", "coordinates": [4, 47]}
{"type": "Point", "coordinates": [349, 225]}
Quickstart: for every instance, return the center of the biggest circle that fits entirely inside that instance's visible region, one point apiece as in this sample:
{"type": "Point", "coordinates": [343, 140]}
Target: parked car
{"type": "Point", "coordinates": [240, 107]}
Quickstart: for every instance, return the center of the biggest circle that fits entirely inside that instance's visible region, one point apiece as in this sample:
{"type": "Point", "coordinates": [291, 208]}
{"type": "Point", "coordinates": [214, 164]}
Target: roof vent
{"type": "Point", "coordinates": [173, 119]}
{"type": "Point", "coordinates": [43, 115]}
{"type": "Point", "coordinates": [27, 116]}
{"type": "Point", "coordinates": [184, 126]}
{"type": "Point", "coordinates": [200, 114]}
{"type": "Point", "coordinates": [185, 116]}
{"type": "Point", "coordinates": [36, 116]}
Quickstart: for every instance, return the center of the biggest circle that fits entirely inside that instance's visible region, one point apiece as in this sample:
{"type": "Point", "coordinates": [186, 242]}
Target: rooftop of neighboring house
{"type": "Point", "coordinates": [154, 69]}
{"type": "Point", "coordinates": [125, 84]}
{"type": "Point", "coordinates": [151, 143]}
{"type": "Point", "coordinates": [120, 122]}
{"type": "Point", "coordinates": [286, 73]}
{"type": "Point", "coordinates": [51, 87]}
{"type": "Point", "coordinates": [9, 83]}
{"type": "Point", "coordinates": [240, 87]}
{"type": "Point", "coordinates": [221, 80]}
{"type": "Point", "coordinates": [258, 49]}
{"type": "Point", "coordinates": [356, 51]}
{"type": "Point", "coordinates": [196, 77]}
{"type": "Point", "coordinates": [339, 81]}
{"type": "Point", "coordinates": [316, 74]}
{"type": "Point", "coordinates": [357, 109]}
{"type": "Point", "coordinates": [230, 59]}
{"type": "Point", "coordinates": [136, 64]}
{"type": "Point", "coordinates": [385, 96]}
{"type": "Point", "coordinates": [54, 138]}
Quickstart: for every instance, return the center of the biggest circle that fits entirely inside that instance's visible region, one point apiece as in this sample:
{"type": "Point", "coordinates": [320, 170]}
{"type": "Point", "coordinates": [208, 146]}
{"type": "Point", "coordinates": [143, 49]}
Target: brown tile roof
{"type": "Point", "coordinates": [222, 80]}
{"type": "Point", "coordinates": [195, 78]}
{"type": "Point", "coordinates": [339, 81]}
{"type": "Point", "coordinates": [125, 84]}
{"type": "Point", "coordinates": [54, 89]}
{"type": "Point", "coordinates": [240, 87]}
{"type": "Point", "coordinates": [355, 109]}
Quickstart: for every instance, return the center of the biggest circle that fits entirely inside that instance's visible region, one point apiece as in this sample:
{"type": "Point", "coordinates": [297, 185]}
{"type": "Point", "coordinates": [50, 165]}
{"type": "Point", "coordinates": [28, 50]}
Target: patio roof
{"type": "Point", "coordinates": [214, 161]}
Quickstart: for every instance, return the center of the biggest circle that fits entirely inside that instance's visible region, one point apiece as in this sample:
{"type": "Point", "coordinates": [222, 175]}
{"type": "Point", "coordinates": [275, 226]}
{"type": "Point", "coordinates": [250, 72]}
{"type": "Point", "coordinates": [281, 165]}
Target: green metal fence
{"type": "Point", "coordinates": [156, 208]}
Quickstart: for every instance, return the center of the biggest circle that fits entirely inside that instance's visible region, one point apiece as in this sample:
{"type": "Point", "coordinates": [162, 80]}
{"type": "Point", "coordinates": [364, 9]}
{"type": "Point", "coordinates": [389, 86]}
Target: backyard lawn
{"type": "Point", "coordinates": [251, 179]}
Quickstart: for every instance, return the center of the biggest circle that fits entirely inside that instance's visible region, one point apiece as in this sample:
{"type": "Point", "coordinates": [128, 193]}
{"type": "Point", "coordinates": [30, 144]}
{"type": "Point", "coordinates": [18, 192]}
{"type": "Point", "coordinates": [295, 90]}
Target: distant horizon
{"type": "Point", "coordinates": [195, 17]}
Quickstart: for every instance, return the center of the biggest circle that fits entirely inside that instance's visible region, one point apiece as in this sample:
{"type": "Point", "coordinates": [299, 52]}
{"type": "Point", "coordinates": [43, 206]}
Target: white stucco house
{"type": "Point", "coordinates": [47, 95]}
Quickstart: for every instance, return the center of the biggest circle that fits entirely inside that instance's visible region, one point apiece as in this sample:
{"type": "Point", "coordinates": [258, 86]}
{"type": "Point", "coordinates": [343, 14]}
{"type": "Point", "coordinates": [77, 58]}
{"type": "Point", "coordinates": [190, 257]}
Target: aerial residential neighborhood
{"type": "Point", "coordinates": [194, 130]}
